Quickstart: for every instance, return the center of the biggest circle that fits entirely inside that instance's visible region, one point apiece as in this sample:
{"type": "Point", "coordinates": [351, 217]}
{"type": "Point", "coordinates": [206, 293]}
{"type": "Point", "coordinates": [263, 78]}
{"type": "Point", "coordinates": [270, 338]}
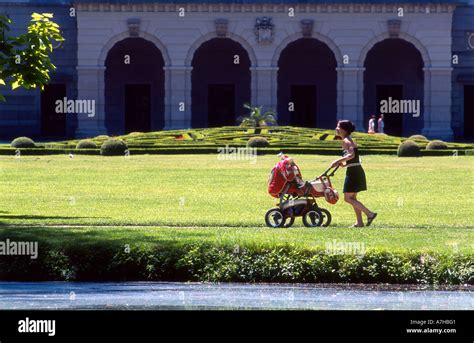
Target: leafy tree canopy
{"type": "Point", "coordinates": [25, 60]}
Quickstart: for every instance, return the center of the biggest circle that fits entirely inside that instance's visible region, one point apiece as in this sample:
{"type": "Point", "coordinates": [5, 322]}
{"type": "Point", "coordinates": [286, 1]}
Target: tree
{"type": "Point", "coordinates": [257, 118]}
{"type": "Point", "coordinates": [25, 60]}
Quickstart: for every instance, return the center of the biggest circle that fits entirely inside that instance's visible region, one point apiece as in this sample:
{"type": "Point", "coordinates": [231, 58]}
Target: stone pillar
{"type": "Point", "coordinates": [264, 87]}
{"type": "Point", "coordinates": [437, 103]}
{"type": "Point", "coordinates": [90, 86]}
{"type": "Point", "coordinates": [350, 95]}
{"type": "Point", "coordinates": [177, 92]}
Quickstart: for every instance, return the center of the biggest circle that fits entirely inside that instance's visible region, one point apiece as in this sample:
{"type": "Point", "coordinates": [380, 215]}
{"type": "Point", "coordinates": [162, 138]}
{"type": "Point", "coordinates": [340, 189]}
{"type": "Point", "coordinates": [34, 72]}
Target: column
{"type": "Point", "coordinates": [437, 103]}
{"type": "Point", "coordinates": [350, 95]}
{"type": "Point", "coordinates": [90, 86]}
{"type": "Point", "coordinates": [264, 87]}
{"type": "Point", "coordinates": [177, 92]}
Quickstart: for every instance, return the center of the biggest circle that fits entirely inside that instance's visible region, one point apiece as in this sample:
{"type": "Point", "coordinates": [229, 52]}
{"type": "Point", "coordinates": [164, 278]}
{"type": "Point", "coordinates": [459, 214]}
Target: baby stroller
{"type": "Point", "coordinates": [297, 198]}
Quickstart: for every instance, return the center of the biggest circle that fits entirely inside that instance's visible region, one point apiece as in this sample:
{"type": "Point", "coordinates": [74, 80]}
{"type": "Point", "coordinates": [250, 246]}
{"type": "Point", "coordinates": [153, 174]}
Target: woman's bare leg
{"type": "Point", "coordinates": [358, 212]}
{"type": "Point", "coordinates": [350, 198]}
{"type": "Point", "coordinates": [357, 204]}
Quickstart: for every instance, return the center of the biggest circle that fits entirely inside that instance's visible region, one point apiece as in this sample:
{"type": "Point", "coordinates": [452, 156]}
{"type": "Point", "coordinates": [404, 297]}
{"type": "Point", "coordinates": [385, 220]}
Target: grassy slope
{"type": "Point", "coordinates": [424, 203]}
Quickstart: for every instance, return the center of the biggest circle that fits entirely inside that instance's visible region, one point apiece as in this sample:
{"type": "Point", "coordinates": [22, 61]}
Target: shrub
{"type": "Point", "coordinates": [113, 147]}
{"type": "Point", "coordinates": [436, 144]}
{"type": "Point", "coordinates": [23, 142]}
{"type": "Point", "coordinates": [103, 137]}
{"type": "Point", "coordinates": [86, 144]}
{"type": "Point", "coordinates": [408, 148]}
{"type": "Point", "coordinates": [418, 137]}
{"type": "Point", "coordinates": [258, 142]}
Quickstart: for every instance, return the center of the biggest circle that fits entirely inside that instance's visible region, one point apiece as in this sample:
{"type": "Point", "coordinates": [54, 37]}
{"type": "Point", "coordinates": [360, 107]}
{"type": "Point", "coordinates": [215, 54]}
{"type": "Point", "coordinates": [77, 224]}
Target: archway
{"type": "Point", "coordinates": [220, 83]}
{"type": "Point", "coordinates": [307, 84]}
{"type": "Point", "coordinates": [394, 77]}
{"type": "Point", "coordinates": [134, 87]}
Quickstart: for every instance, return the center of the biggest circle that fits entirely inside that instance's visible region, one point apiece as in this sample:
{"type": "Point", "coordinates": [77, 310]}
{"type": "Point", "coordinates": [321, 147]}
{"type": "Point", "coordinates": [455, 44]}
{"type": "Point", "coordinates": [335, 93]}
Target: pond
{"type": "Point", "coordinates": [225, 296]}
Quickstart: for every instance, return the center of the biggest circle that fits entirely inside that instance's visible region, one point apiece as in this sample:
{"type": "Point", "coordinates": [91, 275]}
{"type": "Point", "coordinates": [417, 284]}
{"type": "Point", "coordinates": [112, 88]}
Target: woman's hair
{"type": "Point", "coordinates": [347, 126]}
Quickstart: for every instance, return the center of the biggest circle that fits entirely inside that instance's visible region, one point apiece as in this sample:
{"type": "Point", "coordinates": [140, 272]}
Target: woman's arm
{"type": "Point", "coordinates": [349, 147]}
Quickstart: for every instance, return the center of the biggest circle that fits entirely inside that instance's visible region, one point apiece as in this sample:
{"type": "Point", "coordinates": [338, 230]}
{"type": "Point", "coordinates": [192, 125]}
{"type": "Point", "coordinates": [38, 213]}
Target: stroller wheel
{"type": "Point", "coordinates": [289, 221]}
{"type": "Point", "coordinates": [274, 218]}
{"type": "Point", "coordinates": [326, 217]}
{"type": "Point", "coordinates": [313, 218]}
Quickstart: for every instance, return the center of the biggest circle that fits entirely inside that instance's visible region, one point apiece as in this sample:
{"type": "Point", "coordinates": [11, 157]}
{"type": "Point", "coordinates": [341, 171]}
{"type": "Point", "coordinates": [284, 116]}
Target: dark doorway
{"type": "Point", "coordinates": [137, 108]}
{"type": "Point", "coordinates": [469, 111]}
{"type": "Point", "coordinates": [220, 82]}
{"type": "Point", "coordinates": [311, 65]}
{"type": "Point", "coordinates": [393, 122]}
{"type": "Point", "coordinates": [304, 99]}
{"type": "Point", "coordinates": [52, 123]}
{"type": "Point", "coordinates": [221, 105]}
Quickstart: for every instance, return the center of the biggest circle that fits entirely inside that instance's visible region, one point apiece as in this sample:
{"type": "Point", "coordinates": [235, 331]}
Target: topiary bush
{"type": "Point", "coordinates": [257, 142]}
{"type": "Point", "coordinates": [113, 147]}
{"type": "Point", "coordinates": [436, 144]}
{"type": "Point", "coordinates": [86, 144]}
{"type": "Point", "coordinates": [408, 148]}
{"type": "Point", "coordinates": [418, 137]}
{"type": "Point", "coordinates": [23, 142]}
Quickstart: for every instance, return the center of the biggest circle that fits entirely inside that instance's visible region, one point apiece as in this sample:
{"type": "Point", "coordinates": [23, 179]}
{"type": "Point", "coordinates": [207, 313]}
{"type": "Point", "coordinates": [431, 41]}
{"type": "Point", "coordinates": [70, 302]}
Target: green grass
{"type": "Point", "coordinates": [423, 203]}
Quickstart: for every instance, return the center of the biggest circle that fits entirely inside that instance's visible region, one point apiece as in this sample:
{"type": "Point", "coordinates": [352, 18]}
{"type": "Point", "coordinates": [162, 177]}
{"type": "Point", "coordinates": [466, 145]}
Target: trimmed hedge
{"type": "Point", "coordinates": [204, 262]}
{"type": "Point", "coordinates": [258, 142]}
{"type": "Point", "coordinates": [23, 142]}
{"type": "Point", "coordinates": [113, 147]}
{"type": "Point", "coordinates": [86, 144]}
{"type": "Point", "coordinates": [213, 150]}
{"type": "Point", "coordinates": [436, 145]}
{"type": "Point", "coordinates": [418, 137]}
{"type": "Point", "coordinates": [408, 148]}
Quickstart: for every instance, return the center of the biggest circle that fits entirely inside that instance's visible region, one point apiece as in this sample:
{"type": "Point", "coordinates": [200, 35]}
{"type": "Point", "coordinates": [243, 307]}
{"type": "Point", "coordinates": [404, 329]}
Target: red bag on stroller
{"type": "Point", "coordinates": [284, 172]}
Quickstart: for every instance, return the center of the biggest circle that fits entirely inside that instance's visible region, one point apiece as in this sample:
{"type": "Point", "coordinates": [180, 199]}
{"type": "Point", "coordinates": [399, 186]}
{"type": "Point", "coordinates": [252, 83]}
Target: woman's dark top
{"type": "Point", "coordinates": [355, 175]}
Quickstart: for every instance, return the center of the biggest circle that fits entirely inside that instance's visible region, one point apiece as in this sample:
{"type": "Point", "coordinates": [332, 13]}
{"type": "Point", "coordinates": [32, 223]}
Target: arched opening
{"type": "Point", "coordinates": [393, 83]}
{"type": "Point", "coordinates": [134, 87]}
{"type": "Point", "coordinates": [220, 83]}
{"type": "Point", "coordinates": [307, 84]}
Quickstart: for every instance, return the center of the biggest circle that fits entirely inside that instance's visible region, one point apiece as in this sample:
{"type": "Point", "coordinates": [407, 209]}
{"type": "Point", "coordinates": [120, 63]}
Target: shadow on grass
{"type": "Point", "coordinates": [96, 236]}
{"type": "Point", "coordinates": [26, 216]}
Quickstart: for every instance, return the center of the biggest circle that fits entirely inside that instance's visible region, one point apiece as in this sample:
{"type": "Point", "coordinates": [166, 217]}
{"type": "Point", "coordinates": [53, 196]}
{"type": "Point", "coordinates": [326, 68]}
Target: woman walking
{"type": "Point", "coordinates": [355, 176]}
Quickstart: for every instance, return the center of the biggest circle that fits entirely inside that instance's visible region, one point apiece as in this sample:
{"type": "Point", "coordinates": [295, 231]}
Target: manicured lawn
{"type": "Point", "coordinates": [423, 203]}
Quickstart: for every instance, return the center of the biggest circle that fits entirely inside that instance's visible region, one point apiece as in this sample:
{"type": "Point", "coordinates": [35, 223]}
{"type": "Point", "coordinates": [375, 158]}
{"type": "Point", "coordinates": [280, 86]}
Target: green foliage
{"type": "Point", "coordinates": [258, 142]}
{"type": "Point", "coordinates": [86, 144]}
{"type": "Point", "coordinates": [436, 144]}
{"type": "Point", "coordinates": [23, 142]}
{"type": "Point", "coordinates": [408, 148]}
{"type": "Point", "coordinates": [418, 137]}
{"type": "Point", "coordinates": [25, 60]}
{"type": "Point", "coordinates": [217, 263]}
{"type": "Point", "coordinates": [113, 147]}
{"type": "Point", "coordinates": [257, 118]}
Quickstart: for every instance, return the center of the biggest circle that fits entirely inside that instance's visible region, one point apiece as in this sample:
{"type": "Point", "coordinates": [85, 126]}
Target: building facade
{"type": "Point", "coordinates": [31, 113]}
{"type": "Point", "coordinates": [152, 65]}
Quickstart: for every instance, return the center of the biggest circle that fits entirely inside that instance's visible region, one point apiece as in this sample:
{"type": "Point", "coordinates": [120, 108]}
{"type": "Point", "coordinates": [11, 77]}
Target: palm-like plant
{"type": "Point", "coordinates": [257, 118]}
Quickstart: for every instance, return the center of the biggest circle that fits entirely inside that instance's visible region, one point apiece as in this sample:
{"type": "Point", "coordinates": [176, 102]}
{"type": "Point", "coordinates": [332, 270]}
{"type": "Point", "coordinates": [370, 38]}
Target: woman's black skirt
{"type": "Point", "coordinates": [355, 180]}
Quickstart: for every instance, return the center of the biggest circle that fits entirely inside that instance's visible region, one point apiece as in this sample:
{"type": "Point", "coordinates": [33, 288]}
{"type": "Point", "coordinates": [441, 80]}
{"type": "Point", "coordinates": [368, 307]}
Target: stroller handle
{"type": "Point", "coordinates": [327, 171]}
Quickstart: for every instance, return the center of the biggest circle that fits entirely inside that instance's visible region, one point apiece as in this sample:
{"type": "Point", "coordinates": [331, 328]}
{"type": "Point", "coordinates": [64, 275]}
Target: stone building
{"type": "Point", "coordinates": [152, 65]}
